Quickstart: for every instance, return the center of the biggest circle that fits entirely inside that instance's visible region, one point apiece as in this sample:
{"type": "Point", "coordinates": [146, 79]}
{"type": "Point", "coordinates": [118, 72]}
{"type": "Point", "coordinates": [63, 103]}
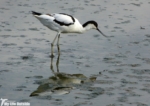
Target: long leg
{"type": "Point", "coordinates": [52, 44]}
{"type": "Point", "coordinates": [51, 65]}
{"type": "Point", "coordinates": [58, 44]}
{"type": "Point", "coordinates": [57, 63]}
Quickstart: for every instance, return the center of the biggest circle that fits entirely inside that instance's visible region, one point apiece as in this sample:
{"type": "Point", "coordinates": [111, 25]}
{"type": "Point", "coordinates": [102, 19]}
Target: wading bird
{"type": "Point", "coordinates": [64, 23]}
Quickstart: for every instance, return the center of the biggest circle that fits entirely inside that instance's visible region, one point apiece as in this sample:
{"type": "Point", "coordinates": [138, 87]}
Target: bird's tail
{"type": "Point", "coordinates": [36, 13]}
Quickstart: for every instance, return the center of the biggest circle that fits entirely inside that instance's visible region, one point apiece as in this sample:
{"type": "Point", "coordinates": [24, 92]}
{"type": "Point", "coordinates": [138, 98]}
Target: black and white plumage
{"type": "Point", "coordinates": [64, 23]}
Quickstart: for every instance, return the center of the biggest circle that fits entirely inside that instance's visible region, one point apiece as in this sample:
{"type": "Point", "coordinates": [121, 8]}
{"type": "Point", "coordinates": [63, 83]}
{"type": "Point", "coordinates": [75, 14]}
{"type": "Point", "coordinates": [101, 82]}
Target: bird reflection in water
{"type": "Point", "coordinates": [60, 83]}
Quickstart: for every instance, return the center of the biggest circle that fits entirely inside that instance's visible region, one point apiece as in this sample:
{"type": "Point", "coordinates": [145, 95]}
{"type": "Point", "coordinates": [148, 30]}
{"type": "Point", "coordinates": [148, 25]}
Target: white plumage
{"type": "Point", "coordinates": [64, 23]}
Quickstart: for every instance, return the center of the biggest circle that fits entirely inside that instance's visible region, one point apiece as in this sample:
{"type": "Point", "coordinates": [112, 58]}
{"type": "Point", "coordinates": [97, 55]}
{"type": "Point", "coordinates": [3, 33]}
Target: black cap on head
{"type": "Point", "coordinates": [90, 22]}
{"type": "Point", "coordinates": [96, 25]}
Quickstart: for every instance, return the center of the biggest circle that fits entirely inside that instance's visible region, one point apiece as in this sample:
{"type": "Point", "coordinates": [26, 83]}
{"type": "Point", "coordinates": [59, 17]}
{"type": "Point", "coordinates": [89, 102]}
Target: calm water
{"type": "Point", "coordinates": [93, 70]}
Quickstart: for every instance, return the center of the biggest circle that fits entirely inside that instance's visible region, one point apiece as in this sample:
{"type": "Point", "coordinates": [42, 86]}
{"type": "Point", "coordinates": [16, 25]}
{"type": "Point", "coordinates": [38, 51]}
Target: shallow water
{"type": "Point", "coordinates": [95, 70]}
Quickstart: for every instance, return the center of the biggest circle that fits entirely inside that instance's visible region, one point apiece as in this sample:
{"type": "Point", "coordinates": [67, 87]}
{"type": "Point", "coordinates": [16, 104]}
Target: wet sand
{"type": "Point", "coordinates": [93, 70]}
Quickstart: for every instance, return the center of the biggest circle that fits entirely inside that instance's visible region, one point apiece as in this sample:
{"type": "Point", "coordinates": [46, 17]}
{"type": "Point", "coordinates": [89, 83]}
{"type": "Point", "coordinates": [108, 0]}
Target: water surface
{"type": "Point", "coordinates": [97, 70]}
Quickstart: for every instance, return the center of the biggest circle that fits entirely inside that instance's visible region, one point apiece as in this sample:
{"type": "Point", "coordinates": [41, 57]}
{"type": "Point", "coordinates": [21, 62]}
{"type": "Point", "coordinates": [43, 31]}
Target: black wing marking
{"type": "Point", "coordinates": [69, 16]}
{"type": "Point", "coordinates": [63, 23]}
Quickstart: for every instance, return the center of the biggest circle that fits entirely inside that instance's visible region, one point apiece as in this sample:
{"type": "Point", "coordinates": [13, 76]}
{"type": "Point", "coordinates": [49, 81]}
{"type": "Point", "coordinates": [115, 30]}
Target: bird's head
{"type": "Point", "coordinates": [93, 25]}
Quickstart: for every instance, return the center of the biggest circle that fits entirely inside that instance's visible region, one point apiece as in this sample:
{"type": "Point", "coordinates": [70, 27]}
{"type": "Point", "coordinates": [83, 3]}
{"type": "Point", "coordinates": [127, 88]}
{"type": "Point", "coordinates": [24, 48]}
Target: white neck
{"type": "Point", "coordinates": [88, 27]}
{"type": "Point", "coordinates": [82, 29]}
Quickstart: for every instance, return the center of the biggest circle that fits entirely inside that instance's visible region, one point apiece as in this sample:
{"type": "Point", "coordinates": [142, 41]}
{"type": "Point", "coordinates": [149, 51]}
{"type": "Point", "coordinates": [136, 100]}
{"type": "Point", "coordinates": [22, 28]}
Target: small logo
{"type": "Point", "coordinates": [6, 102]}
